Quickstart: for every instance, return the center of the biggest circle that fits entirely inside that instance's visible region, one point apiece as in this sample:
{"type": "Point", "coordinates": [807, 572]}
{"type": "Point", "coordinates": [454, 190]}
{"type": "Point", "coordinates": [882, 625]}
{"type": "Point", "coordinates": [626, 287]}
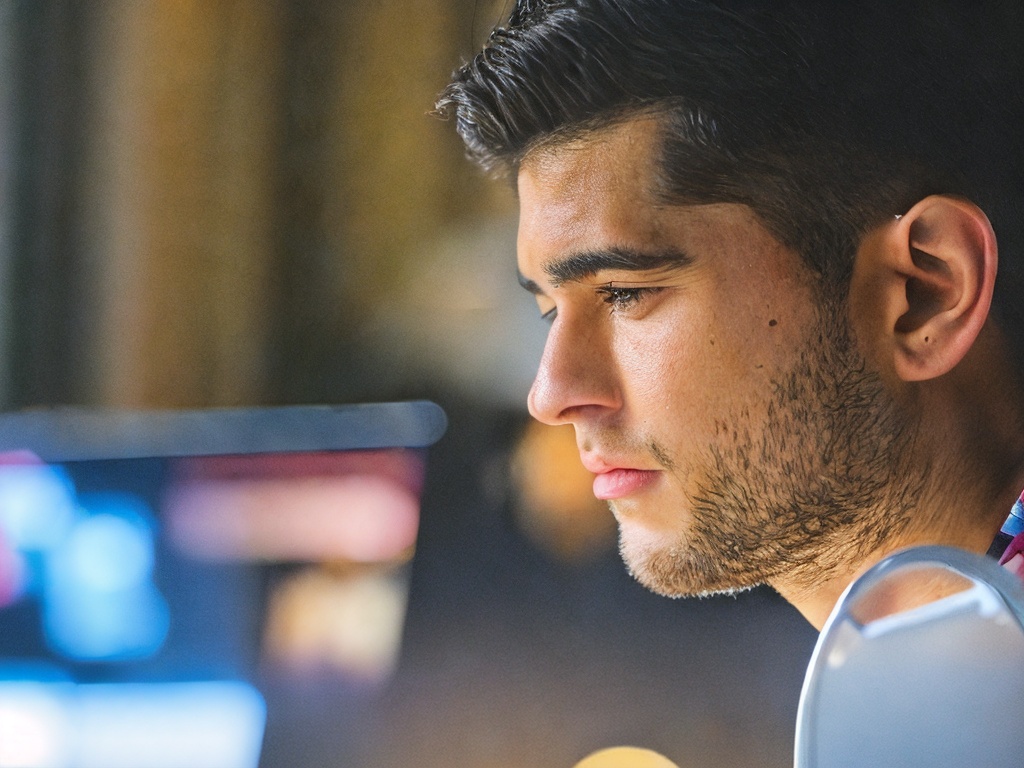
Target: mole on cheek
{"type": "Point", "coordinates": [772, 323]}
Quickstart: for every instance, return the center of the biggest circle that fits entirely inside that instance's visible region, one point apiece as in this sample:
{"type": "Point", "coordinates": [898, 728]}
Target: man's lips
{"type": "Point", "coordinates": [618, 483]}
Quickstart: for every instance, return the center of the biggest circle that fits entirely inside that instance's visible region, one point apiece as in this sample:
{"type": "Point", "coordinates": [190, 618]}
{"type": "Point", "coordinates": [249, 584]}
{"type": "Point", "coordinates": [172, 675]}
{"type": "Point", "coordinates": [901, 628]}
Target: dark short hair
{"type": "Point", "coordinates": [824, 118]}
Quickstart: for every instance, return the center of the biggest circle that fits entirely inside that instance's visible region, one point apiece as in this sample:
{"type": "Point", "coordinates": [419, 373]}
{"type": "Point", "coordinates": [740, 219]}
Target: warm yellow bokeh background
{"type": "Point", "coordinates": [241, 202]}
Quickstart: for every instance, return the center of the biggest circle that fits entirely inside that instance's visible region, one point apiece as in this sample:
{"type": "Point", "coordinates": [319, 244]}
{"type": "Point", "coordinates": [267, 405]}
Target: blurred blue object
{"type": "Point", "coordinates": [99, 602]}
{"type": "Point", "coordinates": [70, 434]}
{"type": "Point", "coordinates": [165, 725]}
{"type": "Point", "coordinates": [37, 507]}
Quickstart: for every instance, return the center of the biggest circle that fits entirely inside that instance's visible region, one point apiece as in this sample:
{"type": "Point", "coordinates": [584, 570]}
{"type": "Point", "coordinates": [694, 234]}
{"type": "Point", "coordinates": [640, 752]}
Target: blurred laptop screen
{"type": "Point", "coordinates": [151, 563]}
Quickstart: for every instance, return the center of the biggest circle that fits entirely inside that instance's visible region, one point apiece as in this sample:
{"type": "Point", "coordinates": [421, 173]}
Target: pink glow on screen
{"type": "Point", "coordinates": [360, 507]}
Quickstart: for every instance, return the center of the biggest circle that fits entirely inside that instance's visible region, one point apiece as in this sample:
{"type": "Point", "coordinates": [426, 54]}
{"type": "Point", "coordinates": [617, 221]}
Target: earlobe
{"type": "Point", "coordinates": [937, 266]}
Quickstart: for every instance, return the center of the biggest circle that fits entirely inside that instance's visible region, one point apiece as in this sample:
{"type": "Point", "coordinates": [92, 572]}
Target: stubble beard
{"type": "Point", "coordinates": [826, 481]}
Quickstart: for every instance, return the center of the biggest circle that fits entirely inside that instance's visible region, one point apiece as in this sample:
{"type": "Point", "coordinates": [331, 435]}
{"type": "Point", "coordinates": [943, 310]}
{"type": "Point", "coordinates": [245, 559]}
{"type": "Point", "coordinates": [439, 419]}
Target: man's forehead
{"type": "Point", "coordinates": [626, 147]}
{"type": "Point", "coordinates": [581, 193]}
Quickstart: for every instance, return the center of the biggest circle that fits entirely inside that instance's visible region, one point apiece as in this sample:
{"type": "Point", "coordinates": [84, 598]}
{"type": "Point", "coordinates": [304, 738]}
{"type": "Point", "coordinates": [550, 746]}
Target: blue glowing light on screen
{"type": "Point", "coordinates": [37, 508]}
{"type": "Point", "coordinates": [87, 560]}
{"type": "Point", "coordinates": [100, 602]}
{"type": "Point", "coordinates": [156, 725]}
{"type": "Point", "coordinates": [37, 505]}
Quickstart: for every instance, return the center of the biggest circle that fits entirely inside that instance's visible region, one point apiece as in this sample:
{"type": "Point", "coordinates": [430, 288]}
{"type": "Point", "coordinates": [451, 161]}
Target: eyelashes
{"type": "Point", "coordinates": [619, 299]}
{"type": "Point", "coordinates": [622, 299]}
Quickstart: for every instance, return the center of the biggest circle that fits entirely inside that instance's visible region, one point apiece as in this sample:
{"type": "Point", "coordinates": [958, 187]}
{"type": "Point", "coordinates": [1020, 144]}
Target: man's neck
{"type": "Point", "coordinates": [818, 602]}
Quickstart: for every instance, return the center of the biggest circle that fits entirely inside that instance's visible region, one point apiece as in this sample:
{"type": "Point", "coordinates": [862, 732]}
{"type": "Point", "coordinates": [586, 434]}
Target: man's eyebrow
{"type": "Point", "coordinates": [528, 284]}
{"type": "Point", "coordinates": [587, 264]}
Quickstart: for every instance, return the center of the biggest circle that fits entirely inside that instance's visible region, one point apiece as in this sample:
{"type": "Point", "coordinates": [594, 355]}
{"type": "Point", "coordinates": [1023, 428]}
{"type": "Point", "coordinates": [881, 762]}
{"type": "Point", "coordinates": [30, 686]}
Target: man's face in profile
{"type": "Point", "coordinates": [719, 401]}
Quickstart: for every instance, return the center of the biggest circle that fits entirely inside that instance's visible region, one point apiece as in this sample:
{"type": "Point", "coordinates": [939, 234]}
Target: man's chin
{"type": "Point", "coordinates": [679, 571]}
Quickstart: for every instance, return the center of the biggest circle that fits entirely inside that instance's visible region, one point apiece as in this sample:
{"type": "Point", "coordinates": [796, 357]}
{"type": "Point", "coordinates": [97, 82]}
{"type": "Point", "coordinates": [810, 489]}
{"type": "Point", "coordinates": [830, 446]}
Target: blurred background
{"type": "Point", "coordinates": [247, 203]}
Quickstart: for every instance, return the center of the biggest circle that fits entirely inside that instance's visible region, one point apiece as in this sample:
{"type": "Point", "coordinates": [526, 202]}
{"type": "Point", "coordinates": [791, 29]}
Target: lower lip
{"type": "Point", "coordinates": [619, 483]}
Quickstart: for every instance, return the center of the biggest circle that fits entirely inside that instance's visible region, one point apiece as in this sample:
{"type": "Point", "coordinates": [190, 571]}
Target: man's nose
{"type": "Point", "coordinates": [576, 378]}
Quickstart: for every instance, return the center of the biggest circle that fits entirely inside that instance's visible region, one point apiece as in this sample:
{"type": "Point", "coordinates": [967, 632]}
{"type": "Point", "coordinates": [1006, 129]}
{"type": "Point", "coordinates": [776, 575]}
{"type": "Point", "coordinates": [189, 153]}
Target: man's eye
{"type": "Point", "coordinates": [550, 315]}
{"type": "Point", "coordinates": [621, 299]}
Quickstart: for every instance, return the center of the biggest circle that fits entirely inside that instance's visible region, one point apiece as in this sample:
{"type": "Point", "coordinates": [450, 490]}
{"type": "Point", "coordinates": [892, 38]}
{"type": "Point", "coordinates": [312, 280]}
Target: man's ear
{"type": "Point", "coordinates": [926, 278]}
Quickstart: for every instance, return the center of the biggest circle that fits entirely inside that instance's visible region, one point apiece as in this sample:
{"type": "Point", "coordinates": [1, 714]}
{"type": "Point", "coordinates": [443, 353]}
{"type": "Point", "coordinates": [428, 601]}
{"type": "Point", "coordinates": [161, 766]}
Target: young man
{"type": "Point", "coordinates": [767, 249]}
